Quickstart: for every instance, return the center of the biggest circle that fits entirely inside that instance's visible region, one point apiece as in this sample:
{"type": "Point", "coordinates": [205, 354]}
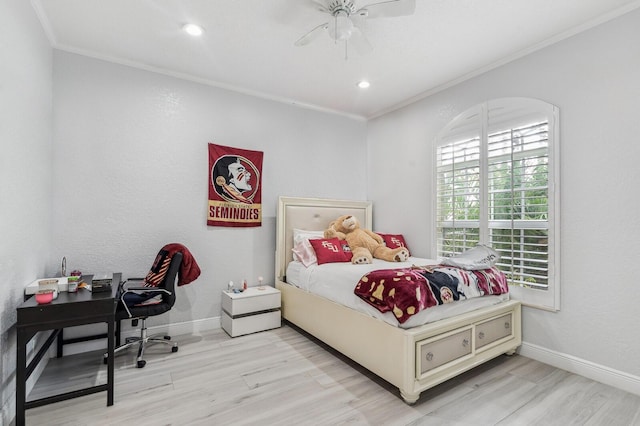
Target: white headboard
{"type": "Point", "coordinates": [311, 214]}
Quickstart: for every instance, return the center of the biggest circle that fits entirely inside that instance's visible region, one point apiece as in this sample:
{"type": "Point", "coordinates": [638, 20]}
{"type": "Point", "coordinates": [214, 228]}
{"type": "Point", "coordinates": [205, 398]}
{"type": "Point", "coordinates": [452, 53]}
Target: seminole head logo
{"type": "Point", "coordinates": [235, 179]}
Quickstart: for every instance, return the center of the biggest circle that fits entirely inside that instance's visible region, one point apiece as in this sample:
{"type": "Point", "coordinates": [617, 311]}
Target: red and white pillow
{"type": "Point", "coordinates": [331, 250]}
{"type": "Point", "coordinates": [394, 240]}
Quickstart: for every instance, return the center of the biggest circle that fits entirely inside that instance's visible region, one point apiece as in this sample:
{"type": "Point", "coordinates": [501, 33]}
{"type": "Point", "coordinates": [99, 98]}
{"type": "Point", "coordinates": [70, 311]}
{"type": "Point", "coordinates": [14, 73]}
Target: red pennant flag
{"type": "Point", "coordinates": [235, 187]}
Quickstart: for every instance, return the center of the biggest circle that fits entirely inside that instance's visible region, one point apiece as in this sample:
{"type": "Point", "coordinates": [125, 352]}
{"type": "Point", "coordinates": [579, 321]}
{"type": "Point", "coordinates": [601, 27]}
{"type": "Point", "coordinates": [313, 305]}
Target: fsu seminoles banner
{"type": "Point", "coordinates": [235, 193]}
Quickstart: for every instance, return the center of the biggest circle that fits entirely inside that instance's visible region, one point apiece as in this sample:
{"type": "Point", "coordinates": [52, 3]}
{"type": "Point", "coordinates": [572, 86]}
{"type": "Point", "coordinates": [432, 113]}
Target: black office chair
{"type": "Point", "coordinates": [166, 288]}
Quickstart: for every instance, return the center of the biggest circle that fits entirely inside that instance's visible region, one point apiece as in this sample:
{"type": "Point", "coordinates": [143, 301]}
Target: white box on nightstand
{"type": "Point", "coordinates": [255, 309]}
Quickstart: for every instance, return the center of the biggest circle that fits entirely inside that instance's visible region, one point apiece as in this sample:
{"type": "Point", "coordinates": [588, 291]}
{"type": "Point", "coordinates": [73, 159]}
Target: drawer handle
{"type": "Point", "coordinates": [430, 356]}
{"type": "Point", "coordinates": [507, 325]}
{"type": "Point", "coordinates": [481, 335]}
{"type": "Point", "coordinates": [465, 343]}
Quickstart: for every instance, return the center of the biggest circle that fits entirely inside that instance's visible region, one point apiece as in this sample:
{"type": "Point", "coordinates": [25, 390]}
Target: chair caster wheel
{"type": "Point", "coordinates": [142, 363]}
{"type": "Point", "coordinates": [174, 349]}
{"type": "Point", "coordinates": [167, 337]}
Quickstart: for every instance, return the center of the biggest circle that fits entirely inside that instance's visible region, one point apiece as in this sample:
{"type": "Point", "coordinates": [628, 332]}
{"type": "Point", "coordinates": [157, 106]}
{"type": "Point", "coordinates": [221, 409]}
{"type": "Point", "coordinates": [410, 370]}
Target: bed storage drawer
{"type": "Point", "coordinates": [494, 330]}
{"type": "Point", "coordinates": [433, 353]}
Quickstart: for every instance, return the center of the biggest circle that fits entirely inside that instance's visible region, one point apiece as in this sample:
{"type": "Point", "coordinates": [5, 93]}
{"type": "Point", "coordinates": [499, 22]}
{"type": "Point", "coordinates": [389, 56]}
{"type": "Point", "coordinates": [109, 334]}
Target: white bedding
{"type": "Point", "coordinates": [336, 282]}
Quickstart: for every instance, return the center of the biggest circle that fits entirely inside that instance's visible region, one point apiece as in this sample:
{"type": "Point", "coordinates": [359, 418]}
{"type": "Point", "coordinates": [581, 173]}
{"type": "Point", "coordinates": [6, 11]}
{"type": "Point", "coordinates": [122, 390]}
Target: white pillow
{"type": "Point", "coordinates": [302, 247]}
{"type": "Point", "coordinates": [300, 234]}
{"type": "Point", "coordinates": [303, 252]}
{"type": "Point", "coordinates": [479, 257]}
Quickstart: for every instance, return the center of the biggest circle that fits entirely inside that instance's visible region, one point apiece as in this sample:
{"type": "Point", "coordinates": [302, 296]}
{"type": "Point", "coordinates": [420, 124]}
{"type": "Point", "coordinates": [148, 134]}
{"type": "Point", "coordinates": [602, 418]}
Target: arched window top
{"type": "Point", "coordinates": [496, 114]}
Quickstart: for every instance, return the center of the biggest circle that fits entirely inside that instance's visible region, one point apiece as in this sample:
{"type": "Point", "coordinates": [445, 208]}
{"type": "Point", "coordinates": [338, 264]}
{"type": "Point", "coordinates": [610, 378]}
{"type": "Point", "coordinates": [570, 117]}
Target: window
{"type": "Point", "coordinates": [497, 184]}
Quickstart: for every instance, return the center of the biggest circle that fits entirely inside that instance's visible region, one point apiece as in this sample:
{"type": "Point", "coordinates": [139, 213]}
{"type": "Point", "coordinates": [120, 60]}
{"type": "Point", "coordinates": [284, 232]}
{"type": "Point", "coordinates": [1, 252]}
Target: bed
{"type": "Point", "coordinates": [412, 359]}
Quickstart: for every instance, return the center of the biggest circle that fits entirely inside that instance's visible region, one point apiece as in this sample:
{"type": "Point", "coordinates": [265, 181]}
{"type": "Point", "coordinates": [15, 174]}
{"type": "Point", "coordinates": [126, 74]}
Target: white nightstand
{"type": "Point", "coordinates": [255, 309]}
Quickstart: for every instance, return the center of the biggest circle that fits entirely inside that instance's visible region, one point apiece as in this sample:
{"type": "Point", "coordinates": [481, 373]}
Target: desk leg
{"type": "Point", "coordinates": [21, 376]}
{"type": "Point", "coordinates": [60, 343]}
{"type": "Point", "coordinates": [110, 362]}
{"type": "Point", "coordinates": [118, 331]}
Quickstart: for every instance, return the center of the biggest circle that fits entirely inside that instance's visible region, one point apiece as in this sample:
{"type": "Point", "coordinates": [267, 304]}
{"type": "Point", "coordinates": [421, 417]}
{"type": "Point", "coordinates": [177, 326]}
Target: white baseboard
{"type": "Point", "coordinates": [588, 369]}
{"type": "Point", "coordinates": [187, 327]}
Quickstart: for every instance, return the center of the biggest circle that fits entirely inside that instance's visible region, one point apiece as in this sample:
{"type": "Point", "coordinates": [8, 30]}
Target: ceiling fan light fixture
{"type": "Point", "coordinates": [347, 23]}
{"type": "Point", "coordinates": [341, 27]}
{"type": "Point", "coordinates": [193, 30]}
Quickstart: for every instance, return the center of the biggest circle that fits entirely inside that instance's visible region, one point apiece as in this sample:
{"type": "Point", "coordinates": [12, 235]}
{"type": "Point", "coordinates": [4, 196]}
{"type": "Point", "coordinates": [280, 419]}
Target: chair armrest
{"type": "Point", "coordinates": [123, 284]}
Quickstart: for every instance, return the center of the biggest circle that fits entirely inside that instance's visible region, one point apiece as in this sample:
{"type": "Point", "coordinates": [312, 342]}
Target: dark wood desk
{"type": "Point", "coordinates": [69, 309]}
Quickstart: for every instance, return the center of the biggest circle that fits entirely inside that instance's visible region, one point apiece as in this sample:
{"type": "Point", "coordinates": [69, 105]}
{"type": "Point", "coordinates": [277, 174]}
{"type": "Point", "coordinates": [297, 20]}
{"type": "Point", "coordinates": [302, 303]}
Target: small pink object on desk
{"type": "Point", "coordinates": [44, 296]}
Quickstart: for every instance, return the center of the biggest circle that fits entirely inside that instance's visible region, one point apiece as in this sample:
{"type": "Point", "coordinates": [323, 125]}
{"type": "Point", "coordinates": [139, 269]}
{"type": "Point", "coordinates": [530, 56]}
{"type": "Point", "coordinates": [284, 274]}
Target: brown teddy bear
{"type": "Point", "coordinates": [364, 244]}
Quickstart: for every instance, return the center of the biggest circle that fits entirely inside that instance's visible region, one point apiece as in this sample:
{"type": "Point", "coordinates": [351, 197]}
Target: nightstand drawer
{"type": "Point", "coordinates": [250, 323]}
{"type": "Point", "coordinates": [253, 299]}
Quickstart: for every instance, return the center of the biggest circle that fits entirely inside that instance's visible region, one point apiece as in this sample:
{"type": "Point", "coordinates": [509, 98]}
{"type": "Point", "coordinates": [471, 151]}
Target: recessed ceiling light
{"type": "Point", "coordinates": [364, 84]}
{"type": "Point", "coordinates": [193, 29]}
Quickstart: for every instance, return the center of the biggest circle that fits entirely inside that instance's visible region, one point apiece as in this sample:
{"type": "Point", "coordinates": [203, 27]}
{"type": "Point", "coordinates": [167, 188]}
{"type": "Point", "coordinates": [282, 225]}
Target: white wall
{"type": "Point", "coordinates": [131, 171]}
{"type": "Point", "coordinates": [593, 79]}
{"type": "Point", "coordinates": [25, 172]}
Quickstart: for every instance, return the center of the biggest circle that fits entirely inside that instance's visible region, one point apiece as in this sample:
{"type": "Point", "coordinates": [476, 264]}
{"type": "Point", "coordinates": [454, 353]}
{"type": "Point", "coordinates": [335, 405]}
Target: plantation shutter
{"type": "Point", "coordinates": [458, 199]}
{"type": "Point", "coordinates": [518, 194]}
{"type": "Point", "coordinates": [458, 186]}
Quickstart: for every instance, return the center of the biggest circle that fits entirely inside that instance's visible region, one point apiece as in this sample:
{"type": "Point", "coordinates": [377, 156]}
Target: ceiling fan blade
{"type": "Point", "coordinates": [321, 5]}
{"type": "Point", "coordinates": [311, 35]}
{"type": "Point", "coordinates": [359, 21]}
{"type": "Point", "coordinates": [388, 9]}
{"type": "Point", "coordinates": [360, 42]}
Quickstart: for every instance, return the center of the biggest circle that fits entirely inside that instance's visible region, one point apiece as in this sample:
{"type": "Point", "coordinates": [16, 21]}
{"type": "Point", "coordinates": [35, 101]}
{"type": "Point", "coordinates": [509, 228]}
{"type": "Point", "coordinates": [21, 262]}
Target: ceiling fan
{"type": "Point", "coordinates": [347, 20]}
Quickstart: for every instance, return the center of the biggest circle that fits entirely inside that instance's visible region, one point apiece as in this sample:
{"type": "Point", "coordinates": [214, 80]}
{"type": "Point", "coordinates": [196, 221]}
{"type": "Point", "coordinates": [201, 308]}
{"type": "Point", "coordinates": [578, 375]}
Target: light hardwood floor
{"type": "Point", "coordinates": [284, 377]}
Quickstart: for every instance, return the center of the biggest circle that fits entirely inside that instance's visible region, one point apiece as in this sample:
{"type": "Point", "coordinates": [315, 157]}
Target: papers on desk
{"type": "Point", "coordinates": [57, 284]}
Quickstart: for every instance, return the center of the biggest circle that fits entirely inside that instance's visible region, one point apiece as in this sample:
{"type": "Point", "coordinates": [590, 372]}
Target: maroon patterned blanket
{"type": "Point", "coordinates": [407, 291]}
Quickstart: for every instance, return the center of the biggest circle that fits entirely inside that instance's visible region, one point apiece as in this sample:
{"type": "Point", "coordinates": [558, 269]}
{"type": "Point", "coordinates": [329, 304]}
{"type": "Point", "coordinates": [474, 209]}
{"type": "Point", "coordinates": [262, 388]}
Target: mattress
{"type": "Point", "coordinates": [336, 282]}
